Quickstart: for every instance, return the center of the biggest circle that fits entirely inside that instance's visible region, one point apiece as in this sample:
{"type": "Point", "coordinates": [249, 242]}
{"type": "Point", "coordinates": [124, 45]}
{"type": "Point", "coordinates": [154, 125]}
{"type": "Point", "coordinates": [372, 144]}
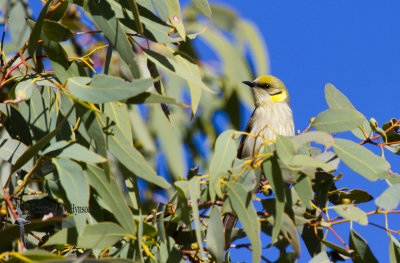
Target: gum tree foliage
{"type": "Point", "coordinates": [93, 90]}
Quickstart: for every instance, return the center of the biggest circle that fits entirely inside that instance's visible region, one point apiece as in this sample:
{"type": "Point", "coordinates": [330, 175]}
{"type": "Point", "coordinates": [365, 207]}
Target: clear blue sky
{"type": "Point", "coordinates": [354, 45]}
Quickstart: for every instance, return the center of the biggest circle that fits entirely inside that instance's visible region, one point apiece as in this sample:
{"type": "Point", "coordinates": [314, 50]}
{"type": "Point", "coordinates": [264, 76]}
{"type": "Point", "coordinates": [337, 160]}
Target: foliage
{"type": "Point", "coordinates": [97, 97]}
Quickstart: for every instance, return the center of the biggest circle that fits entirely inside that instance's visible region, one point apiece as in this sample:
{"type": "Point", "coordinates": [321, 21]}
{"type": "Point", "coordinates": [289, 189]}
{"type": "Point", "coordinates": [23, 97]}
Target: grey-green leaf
{"type": "Point", "coordinates": [101, 235]}
{"type": "Point", "coordinates": [352, 213]}
{"type": "Point", "coordinates": [63, 149]}
{"type": "Point", "coordinates": [285, 148]}
{"type": "Point", "coordinates": [56, 32]}
{"type": "Point", "coordinates": [76, 187]}
{"type": "Point", "coordinates": [110, 193]}
{"type": "Point", "coordinates": [133, 160]}
{"type": "Point", "coordinates": [273, 173]}
{"type": "Point", "coordinates": [37, 28]}
{"type": "Point", "coordinates": [203, 6]}
{"type": "Point", "coordinates": [361, 160]}
{"type": "Point", "coordinates": [105, 19]}
{"type": "Point", "coordinates": [390, 198]}
{"type": "Point", "coordinates": [363, 252]}
{"type": "Point", "coordinates": [241, 203]}
{"type": "Point", "coordinates": [225, 153]}
{"type": "Point", "coordinates": [104, 88]}
{"type": "Point", "coordinates": [215, 235]}
{"type": "Point", "coordinates": [338, 120]}
{"type": "Point", "coordinates": [150, 97]}
{"type": "Point", "coordinates": [11, 150]}
{"type": "Point", "coordinates": [336, 99]}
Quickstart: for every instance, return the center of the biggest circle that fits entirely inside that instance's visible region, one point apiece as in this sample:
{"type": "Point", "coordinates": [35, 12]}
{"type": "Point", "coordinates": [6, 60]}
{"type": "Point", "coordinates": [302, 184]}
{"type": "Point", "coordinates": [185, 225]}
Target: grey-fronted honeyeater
{"type": "Point", "coordinates": [271, 115]}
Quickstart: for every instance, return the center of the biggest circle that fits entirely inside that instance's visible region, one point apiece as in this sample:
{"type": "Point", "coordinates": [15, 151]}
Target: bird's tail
{"type": "Point", "coordinates": [229, 221]}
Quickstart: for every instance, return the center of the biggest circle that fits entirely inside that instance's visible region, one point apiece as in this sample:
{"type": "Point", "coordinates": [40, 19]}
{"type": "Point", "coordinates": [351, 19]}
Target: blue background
{"type": "Point", "coordinates": [351, 44]}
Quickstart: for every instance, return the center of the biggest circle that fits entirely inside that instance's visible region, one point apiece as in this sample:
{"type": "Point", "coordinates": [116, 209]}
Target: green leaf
{"type": "Point", "coordinates": [75, 186]}
{"type": "Point", "coordinates": [178, 64]}
{"type": "Point", "coordinates": [285, 148]}
{"type": "Point", "coordinates": [290, 233]}
{"type": "Point", "coordinates": [304, 189]}
{"type": "Point", "coordinates": [215, 234]}
{"type": "Point", "coordinates": [56, 32]}
{"type": "Point", "coordinates": [338, 120]}
{"type": "Point", "coordinates": [63, 149]}
{"type": "Point", "coordinates": [322, 257]}
{"type": "Point", "coordinates": [352, 213]}
{"type": "Point", "coordinates": [362, 251]}
{"type": "Point", "coordinates": [162, 8]}
{"type": "Point", "coordinates": [16, 125]}
{"type": "Point", "coordinates": [183, 67]}
{"type": "Point", "coordinates": [134, 9]}
{"type": "Point", "coordinates": [11, 150]}
{"type": "Point", "coordinates": [175, 17]}
{"type": "Point", "coordinates": [182, 209]}
{"type": "Point", "coordinates": [337, 248]}
{"type": "Point", "coordinates": [301, 160]}
{"type": "Point", "coordinates": [58, 58]}
{"type": "Point", "coordinates": [101, 235]}
{"type": "Point", "coordinates": [105, 19]}
{"type": "Point", "coordinates": [236, 69]}
{"type": "Point", "coordinates": [195, 192]}
{"type": "Point", "coordinates": [390, 198]}
{"type": "Point", "coordinates": [39, 256]}
{"type": "Point", "coordinates": [337, 100]}
{"type": "Point", "coordinates": [203, 6]}
{"type": "Point", "coordinates": [273, 173]}
{"type": "Point", "coordinates": [249, 32]}
{"type": "Point", "coordinates": [240, 201]}
{"type": "Point", "coordinates": [150, 97]}
{"type": "Point", "coordinates": [104, 88]}
{"type": "Point", "coordinates": [141, 130]}
{"type": "Point", "coordinates": [24, 89]}
{"type": "Point", "coordinates": [65, 235]}
{"type": "Point", "coordinates": [34, 149]}
{"type": "Point", "coordinates": [225, 153]}
{"type": "Point", "coordinates": [171, 142]}
{"type": "Point", "coordinates": [394, 251]}
{"type": "Point", "coordinates": [361, 160]}
{"type": "Point", "coordinates": [314, 136]}
{"type": "Point", "coordinates": [110, 193]}
{"type": "Point", "coordinates": [37, 28]}
{"type": "Point", "coordinates": [132, 159]}
{"type": "Point", "coordinates": [118, 113]}
{"type": "Point", "coordinates": [59, 12]}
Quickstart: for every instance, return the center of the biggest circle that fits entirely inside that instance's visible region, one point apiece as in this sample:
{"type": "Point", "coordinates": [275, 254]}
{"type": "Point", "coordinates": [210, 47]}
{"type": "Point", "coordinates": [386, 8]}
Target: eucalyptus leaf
{"type": "Point", "coordinates": [352, 213]}
{"type": "Point", "coordinates": [104, 88]}
{"type": "Point", "coordinates": [338, 120]}
{"type": "Point", "coordinates": [241, 203]}
{"type": "Point", "coordinates": [361, 160]}
{"type": "Point", "coordinates": [101, 235]}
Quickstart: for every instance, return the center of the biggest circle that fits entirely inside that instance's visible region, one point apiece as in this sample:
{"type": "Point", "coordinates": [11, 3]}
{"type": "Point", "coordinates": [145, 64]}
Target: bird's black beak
{"type": "Point", "coordinates": [251, 84]}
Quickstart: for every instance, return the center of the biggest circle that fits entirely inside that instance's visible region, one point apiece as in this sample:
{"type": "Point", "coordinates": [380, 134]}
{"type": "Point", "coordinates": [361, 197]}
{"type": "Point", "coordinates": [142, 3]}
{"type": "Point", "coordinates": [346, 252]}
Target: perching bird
{"type": "Point", "coordinates": [272, 110]}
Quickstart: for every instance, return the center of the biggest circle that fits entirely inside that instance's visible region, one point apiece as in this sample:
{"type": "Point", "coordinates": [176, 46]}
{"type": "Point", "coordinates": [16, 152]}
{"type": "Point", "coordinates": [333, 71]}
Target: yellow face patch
{"type": "Point", "coordinates": [279, 97]}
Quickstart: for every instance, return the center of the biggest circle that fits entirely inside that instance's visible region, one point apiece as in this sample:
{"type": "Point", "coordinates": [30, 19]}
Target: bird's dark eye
{"type": "Point", "coordinates": [263, 86]}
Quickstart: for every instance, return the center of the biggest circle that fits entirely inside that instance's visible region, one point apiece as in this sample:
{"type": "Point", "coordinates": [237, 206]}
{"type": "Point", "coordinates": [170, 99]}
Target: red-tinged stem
{"type": "Point", "coordinates": [388, 143]}
{"type": "Point", "coordinates": [9, 72]}
{"type": "Point", "coordinates": [378, 136]}
{"type": "Point", "coordinates": [10, 205]}
{"type": "Point", "coordinates": [338, 237]}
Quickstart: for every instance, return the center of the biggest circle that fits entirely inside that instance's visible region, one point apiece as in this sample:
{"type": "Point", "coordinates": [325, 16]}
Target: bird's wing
{"type": "Point", "coordinates": [249, 126]}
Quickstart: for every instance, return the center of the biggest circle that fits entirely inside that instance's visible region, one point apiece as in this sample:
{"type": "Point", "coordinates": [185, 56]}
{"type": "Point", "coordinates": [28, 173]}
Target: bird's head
{"type": "Point", "coordinates": [268, 88]}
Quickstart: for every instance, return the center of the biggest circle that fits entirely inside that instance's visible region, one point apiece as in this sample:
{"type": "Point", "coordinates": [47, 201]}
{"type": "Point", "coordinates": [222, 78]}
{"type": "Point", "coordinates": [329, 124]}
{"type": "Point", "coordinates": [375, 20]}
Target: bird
{"type": "Point", "coordinates": [272, 114]}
